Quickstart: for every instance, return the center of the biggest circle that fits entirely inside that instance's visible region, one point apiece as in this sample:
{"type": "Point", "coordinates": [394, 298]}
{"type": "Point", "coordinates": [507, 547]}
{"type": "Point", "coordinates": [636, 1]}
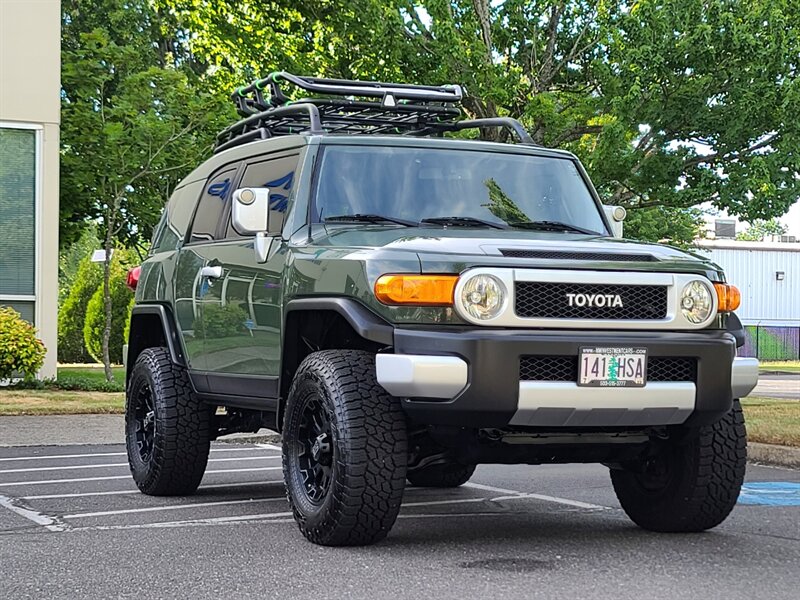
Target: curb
{"type": "Point", "coordinates": [773, 455]}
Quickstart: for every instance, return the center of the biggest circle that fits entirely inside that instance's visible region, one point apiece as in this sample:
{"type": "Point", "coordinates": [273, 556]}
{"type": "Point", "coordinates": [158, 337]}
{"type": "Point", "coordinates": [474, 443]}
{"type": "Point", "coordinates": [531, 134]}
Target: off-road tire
{"type": "Point", "coordinates": [445, 475]}
{"type": "Point", "coordinates": [367, 456]}
{"type": "Point", "coordinates": [705, 475]}
{"type": "Point", "coordinates": [182, 427]}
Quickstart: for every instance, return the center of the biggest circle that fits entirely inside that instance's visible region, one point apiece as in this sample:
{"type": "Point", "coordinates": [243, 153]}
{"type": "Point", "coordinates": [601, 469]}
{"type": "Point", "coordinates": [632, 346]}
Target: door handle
{"type": "Point", "coordinates": [214, 272]}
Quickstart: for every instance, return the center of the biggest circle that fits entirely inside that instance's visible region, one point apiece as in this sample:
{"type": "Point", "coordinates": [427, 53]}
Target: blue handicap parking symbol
{"type": "Point", "coordinates": [771, 493]}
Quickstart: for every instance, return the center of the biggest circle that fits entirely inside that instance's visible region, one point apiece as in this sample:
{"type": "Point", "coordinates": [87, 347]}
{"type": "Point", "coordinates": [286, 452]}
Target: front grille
{"type": "Point", "coordinates": [565, 368]}
{"type": "Point", "coordinates": [666, 368]}
{"type": "Point", "coordinates": [548, 368]}
{"type": "Point", "coordinates": [566, 255]}
{"type": "Point", "coordinates": [544, 300]}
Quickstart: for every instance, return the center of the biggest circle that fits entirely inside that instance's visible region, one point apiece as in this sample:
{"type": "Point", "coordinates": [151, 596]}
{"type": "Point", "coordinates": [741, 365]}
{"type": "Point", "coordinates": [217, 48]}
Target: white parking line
{"type": "Point", "coordinates": [123, 492]}
{"type": "Point", "coordinates": [514, 494]}
{"type": "Point", "coordinates": [57, 456]}
{"type": "Point", "coordinates": [279, 517]}
{"type": "Point", "coordinates": [110, 477]}
{"type": "Point", "coordinates": [117, 465]}
{"type": "Point", "coordinates": [49, 523]}
{"type": "Point", "coordinates": [128, 511]}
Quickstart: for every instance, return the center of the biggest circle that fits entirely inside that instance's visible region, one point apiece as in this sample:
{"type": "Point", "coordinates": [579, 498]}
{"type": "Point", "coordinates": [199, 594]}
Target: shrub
{"type": "Point", "coordinates": [223, 321]}
{"type": "Point", "coordinates": [20, 350]}
{"type": "Point", "coordinates": [72, 313]}
{"type": "Point", "coordinates": [95, 316]}
{"type": "Point", "coordinates": [71, 259]}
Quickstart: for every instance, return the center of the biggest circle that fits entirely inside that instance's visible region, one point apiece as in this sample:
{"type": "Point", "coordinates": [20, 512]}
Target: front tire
{"type": "Point", "coordinates": [344, 450]}
{"type": "Point", "coordinates": [691, 485]}
{"type": "Point", "coordinates": [167, 429]}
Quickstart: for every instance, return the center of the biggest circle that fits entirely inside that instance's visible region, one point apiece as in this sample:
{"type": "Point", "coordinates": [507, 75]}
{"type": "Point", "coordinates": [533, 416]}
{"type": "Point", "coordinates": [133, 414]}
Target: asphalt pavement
{"type": "Point", "coordinates": [785, 386]}
{"type": "Point", "coordinates": [72, 525]}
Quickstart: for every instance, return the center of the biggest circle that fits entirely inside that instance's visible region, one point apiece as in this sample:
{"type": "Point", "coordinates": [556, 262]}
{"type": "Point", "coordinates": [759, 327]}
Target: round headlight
{"type": "Point", "coordinates": [483, 297]}
{"type": "Point", "coordinates": [696, 302]}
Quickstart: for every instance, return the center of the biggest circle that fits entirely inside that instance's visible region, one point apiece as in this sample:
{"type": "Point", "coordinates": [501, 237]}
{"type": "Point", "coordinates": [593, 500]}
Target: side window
{"type": "Point", "coordinates": [209, 210]}
{"type": "Point", "coordinates": [171, 230]}
{"type": "Point", "coordinates": [279, 175]}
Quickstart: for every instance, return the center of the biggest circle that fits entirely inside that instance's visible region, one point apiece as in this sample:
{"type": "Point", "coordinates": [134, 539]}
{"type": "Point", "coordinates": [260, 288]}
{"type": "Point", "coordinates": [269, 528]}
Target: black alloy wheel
{"type": "Point", "coordinates": [314, 452]}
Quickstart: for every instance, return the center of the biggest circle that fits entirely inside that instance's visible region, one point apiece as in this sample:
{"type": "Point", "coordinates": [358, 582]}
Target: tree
{"type": "Point", "coordinates": [759, 230]}
{"type": "Point", "coordinates": [72, 312]}
{"type": "Point", "coordinates": [133, 123]}
{"type": "Point", "coordinates": [669, 103]}
{"type": "Point", "coordinates": [71, 259]}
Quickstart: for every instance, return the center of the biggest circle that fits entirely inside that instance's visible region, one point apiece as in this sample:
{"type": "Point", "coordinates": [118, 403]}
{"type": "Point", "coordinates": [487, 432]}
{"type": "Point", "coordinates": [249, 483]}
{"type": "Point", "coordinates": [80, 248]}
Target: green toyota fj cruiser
{"type": "Point", "coordinates": [403, 305]}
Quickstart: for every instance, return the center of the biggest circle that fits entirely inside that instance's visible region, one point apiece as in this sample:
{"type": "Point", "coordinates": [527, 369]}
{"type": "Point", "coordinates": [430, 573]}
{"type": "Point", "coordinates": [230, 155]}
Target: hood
{"type": "Point", "coordinates": [443, 250]}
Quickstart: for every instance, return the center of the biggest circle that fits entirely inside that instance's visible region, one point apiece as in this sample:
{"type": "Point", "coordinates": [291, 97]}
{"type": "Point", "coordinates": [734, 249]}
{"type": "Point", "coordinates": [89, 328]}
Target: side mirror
{"type": "Point", "coordinates": [250, 212]}
{"type": "Point", "coordinates": [615, 214]}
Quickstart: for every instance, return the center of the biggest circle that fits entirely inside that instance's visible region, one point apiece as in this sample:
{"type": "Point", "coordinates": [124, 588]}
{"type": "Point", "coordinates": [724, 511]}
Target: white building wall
{"type": "Point", "coordinates": [753, 267]}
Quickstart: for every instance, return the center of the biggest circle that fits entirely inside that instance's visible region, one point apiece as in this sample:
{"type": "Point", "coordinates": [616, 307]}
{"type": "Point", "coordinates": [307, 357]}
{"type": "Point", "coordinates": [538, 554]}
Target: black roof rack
{"type": "Point", "coordinates": [356, 107]}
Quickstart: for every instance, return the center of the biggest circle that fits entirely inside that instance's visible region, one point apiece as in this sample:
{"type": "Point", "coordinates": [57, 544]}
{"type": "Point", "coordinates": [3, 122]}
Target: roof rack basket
{"type": "Point", "coordinates": [351, 107]}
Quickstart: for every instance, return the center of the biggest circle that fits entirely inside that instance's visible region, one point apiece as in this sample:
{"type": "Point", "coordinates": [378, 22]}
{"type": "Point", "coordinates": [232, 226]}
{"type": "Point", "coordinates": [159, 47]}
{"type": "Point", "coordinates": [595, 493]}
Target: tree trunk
{"type": "Point", "coordinates": [107, 303]}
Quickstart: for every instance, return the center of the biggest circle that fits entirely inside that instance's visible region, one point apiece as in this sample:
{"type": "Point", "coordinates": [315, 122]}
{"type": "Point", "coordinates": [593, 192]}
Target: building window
{"type": "Point", "coordinates": [18, 219]}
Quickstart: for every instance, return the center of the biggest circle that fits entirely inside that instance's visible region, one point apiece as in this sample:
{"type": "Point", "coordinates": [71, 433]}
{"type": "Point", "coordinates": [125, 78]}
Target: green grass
{"type": "Point", "coordinates": [95, 373]}
{"type": "Point", "coordinates": [772, 421]}
{"type": "Point", "coordinates": [58, 402]}
{"type": "Point", "coordinates": [780, 366]}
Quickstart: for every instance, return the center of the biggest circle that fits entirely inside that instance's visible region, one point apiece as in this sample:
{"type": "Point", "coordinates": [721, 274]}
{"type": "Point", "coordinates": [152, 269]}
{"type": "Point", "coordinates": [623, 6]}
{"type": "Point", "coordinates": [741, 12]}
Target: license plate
{"type": "Point", "coordinates": [612, 367]}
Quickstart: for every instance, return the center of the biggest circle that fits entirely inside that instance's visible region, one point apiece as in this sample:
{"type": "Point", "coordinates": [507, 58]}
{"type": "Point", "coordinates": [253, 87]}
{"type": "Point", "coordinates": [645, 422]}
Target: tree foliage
{"type": "Point", "coordinates": [669, 103]}
{"type": "Point", "coordinates": [129, 83]}
{"type": "Point", "coordinates": [95, 318]}
{"type": "Point", "coordinates": [759, 230]}
{"type": "Point", "coordinates": [72, 313]}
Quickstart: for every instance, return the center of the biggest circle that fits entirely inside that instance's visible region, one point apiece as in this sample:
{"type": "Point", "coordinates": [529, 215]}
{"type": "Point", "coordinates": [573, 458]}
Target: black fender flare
{"type": "Point", "coordinates": [736, 329]}
{"type": "Point", "coordinates": [363, 321]}
{"type": "Point", "coordinates": [146, 317]}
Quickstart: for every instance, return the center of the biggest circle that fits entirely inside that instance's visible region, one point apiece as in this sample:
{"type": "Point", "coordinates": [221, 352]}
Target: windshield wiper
{"type": "Point", "coordinates": [359, 218]}
{"type": "Point", "coordinates": [464, 222]}
{"type": "Point", "coordinates": [552, 226]}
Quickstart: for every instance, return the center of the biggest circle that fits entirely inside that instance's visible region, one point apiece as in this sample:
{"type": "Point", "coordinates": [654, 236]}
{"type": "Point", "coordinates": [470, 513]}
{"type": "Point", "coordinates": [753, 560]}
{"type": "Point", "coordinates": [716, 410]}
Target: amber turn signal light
{"type": "Point", "coordinates": [728, 297]}
{"type": "Point", "coordinates": [416, 290]}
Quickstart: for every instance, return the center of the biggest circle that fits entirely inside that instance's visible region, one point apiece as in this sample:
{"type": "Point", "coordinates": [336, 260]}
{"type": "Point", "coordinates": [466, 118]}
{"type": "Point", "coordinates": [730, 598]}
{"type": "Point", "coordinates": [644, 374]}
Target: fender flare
{"type": "Point", "coordinates": [363, 321]}
{"type": "Point", "coordinates": [141, 316]}
{"type": "Point", "coordinates": [736, 329]}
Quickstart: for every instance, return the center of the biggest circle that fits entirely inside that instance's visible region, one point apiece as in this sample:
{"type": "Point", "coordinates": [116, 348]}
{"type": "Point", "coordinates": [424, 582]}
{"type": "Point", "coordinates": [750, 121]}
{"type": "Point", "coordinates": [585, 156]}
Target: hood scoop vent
{"type": "Point", "coordinates": [567, 255]}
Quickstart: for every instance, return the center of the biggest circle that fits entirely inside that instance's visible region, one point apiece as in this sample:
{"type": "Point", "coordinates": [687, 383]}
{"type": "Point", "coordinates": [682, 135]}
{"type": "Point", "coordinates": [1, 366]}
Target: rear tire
{"type": "Point", "coordinates": [344, 450]}
{"type": "Point", "coordinates": [690, 486]}
{"type": "Point", "coordinates": [167, 429]}
{"type": "Point", "coordinates": [446, 475]}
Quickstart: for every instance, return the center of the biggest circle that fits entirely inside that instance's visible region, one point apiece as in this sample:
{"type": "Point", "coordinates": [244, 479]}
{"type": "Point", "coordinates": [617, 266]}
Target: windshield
{"type": "Point", "coordinates": [427, 183]}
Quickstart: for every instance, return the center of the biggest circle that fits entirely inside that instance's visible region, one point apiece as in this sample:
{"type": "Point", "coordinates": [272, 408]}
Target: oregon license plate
{"type": "Point", "coordinates": [612, 367]}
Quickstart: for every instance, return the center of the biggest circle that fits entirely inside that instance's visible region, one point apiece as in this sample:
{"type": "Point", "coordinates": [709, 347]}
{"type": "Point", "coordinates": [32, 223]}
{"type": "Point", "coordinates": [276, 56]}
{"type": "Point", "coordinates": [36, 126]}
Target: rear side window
{"type": "Point", "coordinates": [171, 230]}
{"type": "Point", "coordinates": [279, 175]}
{"type": "Point", "coordinates": [212, 202]}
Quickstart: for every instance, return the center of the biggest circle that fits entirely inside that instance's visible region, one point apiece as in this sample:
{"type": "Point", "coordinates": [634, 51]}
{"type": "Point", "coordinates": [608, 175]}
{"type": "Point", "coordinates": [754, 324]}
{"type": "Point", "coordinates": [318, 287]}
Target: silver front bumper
{"type": "Point", "coordinates": [744, 376]}
{"type": "Point", "coordinates": [417, 376]}
{"type": "Point", "coordinates": [558, 403]}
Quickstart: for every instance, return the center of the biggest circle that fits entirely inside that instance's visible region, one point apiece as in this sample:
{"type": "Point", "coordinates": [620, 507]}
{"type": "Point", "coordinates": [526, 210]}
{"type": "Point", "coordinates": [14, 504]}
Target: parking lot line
{"type": "Point", "coordinates": [58, 456]}
{"type": "Point", "coordinates": [515, 494]}
{"type": "Point", "coordinates": [279, 517]}
{"type": "Point", "coordinates": [49, 523]}
{"type": "Point", "coordinates": [129, 511]}
{"type": "Point", "coordinates": [116, 465]}
{"type": "Point", "coordinates": [136, 491]}
{"type": "Point", "coordinates": [110, 477]}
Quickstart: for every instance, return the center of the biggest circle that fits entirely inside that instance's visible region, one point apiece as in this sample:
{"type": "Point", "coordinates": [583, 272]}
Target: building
{"type": "Point", "coordinates": [30, 88]}
{"type": "Point", "coordinates": [768, 275]}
